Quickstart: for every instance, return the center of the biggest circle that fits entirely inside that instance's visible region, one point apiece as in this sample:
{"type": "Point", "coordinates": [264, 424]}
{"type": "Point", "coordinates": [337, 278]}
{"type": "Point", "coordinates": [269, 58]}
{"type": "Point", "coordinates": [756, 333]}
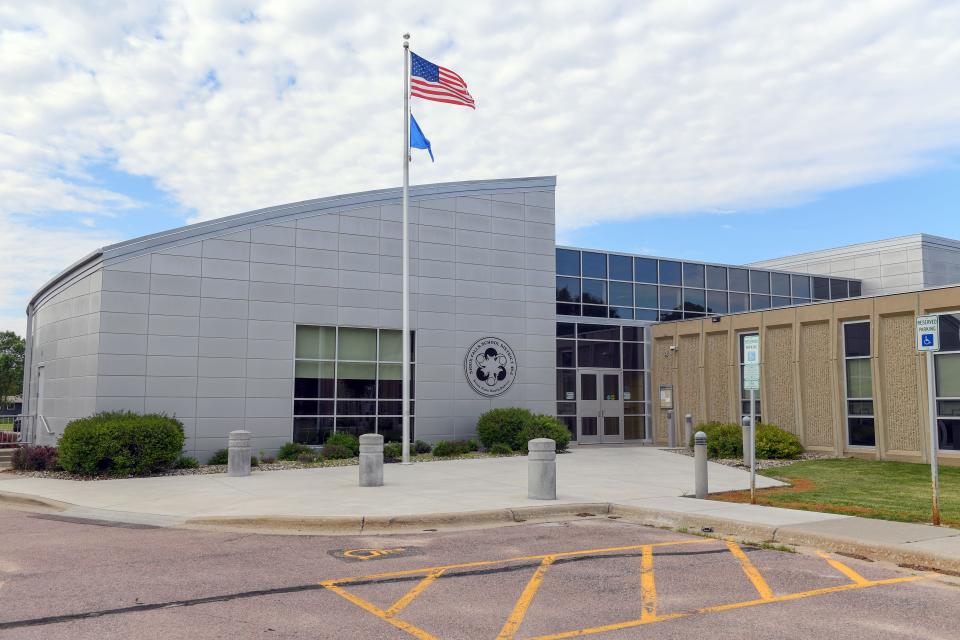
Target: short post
{"type": "Point", "coordinates": [700, 464]}
{"type": "Point", "coordinates": [371, 460]}
{"type": "Point", "coordinates": [747, 440]}
{"type": "Point", "coordinates": [687, 429]}
{"type": "Point", "coordinates": [238, 454]}
{"type": "Point", "coordinates": [542, 469]}
{"type": "Point", "coordinates": [671, 432]}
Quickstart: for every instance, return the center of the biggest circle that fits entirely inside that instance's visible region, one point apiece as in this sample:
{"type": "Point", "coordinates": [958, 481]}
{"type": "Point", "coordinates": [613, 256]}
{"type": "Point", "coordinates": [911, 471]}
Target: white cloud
{"type": "Point", "coordinates": [639, 108]}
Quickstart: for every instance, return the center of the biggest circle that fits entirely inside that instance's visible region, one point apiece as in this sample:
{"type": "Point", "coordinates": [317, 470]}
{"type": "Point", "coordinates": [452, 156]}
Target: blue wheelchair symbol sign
{"type": "Point", "coordinates": [926, 339]}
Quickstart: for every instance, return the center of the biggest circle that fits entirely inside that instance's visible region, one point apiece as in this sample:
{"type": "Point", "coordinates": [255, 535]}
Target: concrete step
{"type": "Point", "coordinates": [6, 457]}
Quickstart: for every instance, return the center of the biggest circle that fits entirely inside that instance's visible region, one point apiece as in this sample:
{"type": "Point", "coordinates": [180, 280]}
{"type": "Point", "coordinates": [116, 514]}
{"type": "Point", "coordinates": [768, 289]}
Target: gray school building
{"type": "Point", "coordinates": [285, 321]}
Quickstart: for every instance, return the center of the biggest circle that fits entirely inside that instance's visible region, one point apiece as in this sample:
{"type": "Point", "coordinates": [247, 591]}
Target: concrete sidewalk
{"type": "Point", "coordinates": [644, 485]}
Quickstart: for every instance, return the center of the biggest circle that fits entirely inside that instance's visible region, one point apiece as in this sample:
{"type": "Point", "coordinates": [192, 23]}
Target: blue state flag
{"type": "Point", "coordinates": [417, 139]}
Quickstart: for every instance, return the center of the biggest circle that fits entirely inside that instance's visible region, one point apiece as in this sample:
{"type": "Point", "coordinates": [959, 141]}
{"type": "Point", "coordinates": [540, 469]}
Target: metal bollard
{"type": "Point", "coordinates": [700, 465]}
{"type": "Point", "coordinates": [687, 429]}
{"type": "Point", "coordinates": [371, 460]}
{"type": "Point", "coordinates": [745, 423]}
{"type": "Point", "coordinates": [542, 469]}
{"type": "Point", "coordinates": [671, 433]}
{"type": "Point", "coordinates": [238, 454]}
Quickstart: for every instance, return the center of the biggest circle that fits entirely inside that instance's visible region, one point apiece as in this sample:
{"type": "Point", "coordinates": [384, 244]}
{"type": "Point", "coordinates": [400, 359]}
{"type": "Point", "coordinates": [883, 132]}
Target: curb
{"type": "Point", "coordinates": [26, 500]}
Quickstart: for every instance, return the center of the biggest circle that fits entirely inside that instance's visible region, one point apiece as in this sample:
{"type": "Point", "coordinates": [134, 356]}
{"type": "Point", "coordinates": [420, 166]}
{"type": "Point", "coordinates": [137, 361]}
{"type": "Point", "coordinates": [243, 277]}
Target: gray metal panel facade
{"type": "Point", "coordinates": [200, 322]}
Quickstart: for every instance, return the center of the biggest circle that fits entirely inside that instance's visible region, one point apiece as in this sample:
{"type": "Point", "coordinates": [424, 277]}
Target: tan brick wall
{"type": "Point", "coordinates": [780, 393]}
{"type": "Point", "coordinates": [688, 379]}
{"type": "Point", "coordinates": [898, 383]}
{"type": "Point", "coordinates": [718, 376]}
{"type": "Point", "coordinates": [816, 389]}
{"type": "Point", "coordinates": [662, 363]}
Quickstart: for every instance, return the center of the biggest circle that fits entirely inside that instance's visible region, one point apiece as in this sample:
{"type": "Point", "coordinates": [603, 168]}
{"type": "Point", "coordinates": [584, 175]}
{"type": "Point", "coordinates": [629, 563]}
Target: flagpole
{"type": "Point", "coordinates": [405, 269]}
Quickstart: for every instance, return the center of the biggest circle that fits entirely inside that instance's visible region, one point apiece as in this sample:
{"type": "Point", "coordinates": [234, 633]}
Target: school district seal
{"type": "Point", "coordinates": [490, 366]}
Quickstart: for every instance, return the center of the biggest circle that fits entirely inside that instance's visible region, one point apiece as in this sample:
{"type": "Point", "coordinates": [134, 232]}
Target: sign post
{"type": "Point", "coordinates": [751, 382]}
{"type": "Point", "coordinates": [928, 343]}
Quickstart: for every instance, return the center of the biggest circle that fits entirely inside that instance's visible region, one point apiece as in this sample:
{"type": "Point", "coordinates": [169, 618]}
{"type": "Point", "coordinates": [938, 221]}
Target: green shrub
{"type": "Point", "coordinates": [121, 443]}
{"type": "Point", "coordinates": [266, 458]}
{"type": "Point", "coordinates": [392, 451]}
{"type": "Point", "coordinates": [35, 458]}
{"type": "Point", "coordinates": [445, 449]}
{"type": "Point", "coordinates": [422, 447]}
{"type": "Point", "coordinates": [473, 445]}
{"type": "Point", "coordinates": [345, 439]}
{"type": "Point", "coordinates": [220, 456]}
{"type": "Point", "coordinates": [334, 451]}
{"type": "Point", "coordinates": [186, 462]}
{"type": "Point", "coordinates": [290, 450]}
{"type": "Point", "coordinates": [543, 427]}
{"type": "Point", "coordinates": [725, 440]}
{"type": "Point", "coordinates": [308, 457]}
{"type": "Point", "coordinates": [502, 425]}
{"type": "Point", "coordinates": [501, 449]}
{"type": "Point", "coordinates": [773, 443]}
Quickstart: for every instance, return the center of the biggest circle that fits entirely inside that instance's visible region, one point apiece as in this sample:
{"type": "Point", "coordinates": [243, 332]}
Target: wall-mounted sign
{"type": "Point", "coordinates": [570, 395]}
{"type": "Point", "coordinates": [490, 366]}
{"type": "Point", "coordinates": [666, 396]}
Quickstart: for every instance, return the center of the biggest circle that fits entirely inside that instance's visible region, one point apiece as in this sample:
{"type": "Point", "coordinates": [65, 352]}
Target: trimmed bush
{"type": "Point", "coordinates": [422, 447]}
{"type": "Point", "coordinates": [501, 449]}
{"type": "Point", "coordinates": [345, 439]}
{"type": "Point", "coordinates": [186, 462]}
{"type": "Point", "coordinates": [31, 458]}
{"type": "Point", "coordinates": [220, 456]}
{"type": "Point", "coordinates": [291, 450]}
{"type": "Point", "coordinates": [543, 427]}
{"type": "Point", "coordinates": [334, 451]}
{"type": "Point", "coordinates": [445, 449]}
{"type": "Point", "coordinates": [473, 445]}
{"type": "Point", "coordinates": [392, 451]}
{"type": "Point", "coordinates": [773, 443]}
{"type": "Point", "coordinates": [725, 440]}
{"type": "Point", "coordinates": [502, 425]}
{"type": "Point", "coordinates": [121, 443]}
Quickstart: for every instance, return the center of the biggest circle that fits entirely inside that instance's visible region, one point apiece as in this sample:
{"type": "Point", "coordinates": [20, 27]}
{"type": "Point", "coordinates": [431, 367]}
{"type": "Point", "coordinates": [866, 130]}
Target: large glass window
{"type": "Point", "coordinates": [621, 294]}
{"type": "Point", "coordinates": [646, 295]}
{"type": "Point", "coordinates": [670, 273]}
{"type": "Point", "coordinates": [780, 284]}
{"type": "Point", "coordinates": [594, 291]}
{"type": "Point", "coordinates": [859, 384]}
{"type": "Point", "coordinates": [693, 275]}
{"type": "Point", "coordinates": [947, 371]}
{"type": "Point", "coordinates": [670, 298]}
{"type": "Point", "coordinates": [568, 262]}
{"type": "Point", "coordinates": [821, 288]}
{"type": "Point", "coordinates": [568, 289]}
{"type": "Point", "coordinates": [716, 301]}
{"type": "Point", "coordinates": [694, 300]}
{"type": "Point", "coordinates": [348, 379]}
{"type": "Point", "coordinates": [739, 302]}
{"type": "Point", "coordinates": [621, 268]}
{"type": "Point", "coordinates": [717, 278]}
{"type": "Point", "coordinates": [594, 265]}
{"type": "Point", "coordinates": [645, 270]}
{"type": "Point", "coordinates": [759, 282]}
{"type": "Point", "coordinates": [739, 279]}
{"type": "Point", "coordinates": [801, 286]}
{"type": "Point", "coordinates": [838, 289]}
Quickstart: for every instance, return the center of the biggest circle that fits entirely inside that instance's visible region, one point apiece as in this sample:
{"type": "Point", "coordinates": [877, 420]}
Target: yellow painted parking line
{"type": "Point", "coordinates": [628, 624]}
{"type": "Point", "coordinates": [409, 596]}
{"type": "Point", "coordinates": [648, 587]}
{"type": "Point", "coordinates": [510, 627]}
{"type": "Point", "coordinates": [763, 589]}
{"type": "Point", "coordinates": [842, 568]}
{"type": "Point", "coordinates": [413, 630]}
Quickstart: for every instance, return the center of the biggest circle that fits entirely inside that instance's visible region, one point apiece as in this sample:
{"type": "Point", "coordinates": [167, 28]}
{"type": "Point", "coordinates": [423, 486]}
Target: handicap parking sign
{"type": "Point", "coordinates": [928, 333]}
{"type": "Point", "coordinates": [926, 339]}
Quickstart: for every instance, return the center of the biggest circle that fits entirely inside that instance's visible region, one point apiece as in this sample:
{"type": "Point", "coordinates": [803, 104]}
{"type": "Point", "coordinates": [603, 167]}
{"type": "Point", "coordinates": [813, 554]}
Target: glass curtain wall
{"type": "Point", "coordinates": [947, 366]}
{"type": "Point", "coordinates": [861, 427]}
{"type": "Point", "coordinates": [601, 285]}
{"type": "Point", "coordinates": [601, 346]}
{"type": "Point", "coordinates": [348, 379]}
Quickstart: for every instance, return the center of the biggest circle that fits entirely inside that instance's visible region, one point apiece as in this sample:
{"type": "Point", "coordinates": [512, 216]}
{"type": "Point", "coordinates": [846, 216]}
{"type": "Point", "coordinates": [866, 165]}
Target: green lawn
{"type": "Point", "coordinates": [6, 426]}
{"type": "Point", "coordinates": [887, 490]}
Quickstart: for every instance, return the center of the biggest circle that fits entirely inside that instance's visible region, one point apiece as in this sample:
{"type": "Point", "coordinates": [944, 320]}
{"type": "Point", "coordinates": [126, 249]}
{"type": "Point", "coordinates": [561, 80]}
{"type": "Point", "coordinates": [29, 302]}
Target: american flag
{"type": "Point", "coordinates": [433, 82]}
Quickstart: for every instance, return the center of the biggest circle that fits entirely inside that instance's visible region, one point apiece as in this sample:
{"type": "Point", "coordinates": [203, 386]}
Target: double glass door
{"type": "Point", "coordinates": [600, 408]}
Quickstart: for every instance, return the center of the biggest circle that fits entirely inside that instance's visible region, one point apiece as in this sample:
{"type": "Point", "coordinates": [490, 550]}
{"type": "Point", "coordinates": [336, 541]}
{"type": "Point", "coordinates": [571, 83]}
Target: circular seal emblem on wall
{"type": "Point", "coordinates": [490, 366]}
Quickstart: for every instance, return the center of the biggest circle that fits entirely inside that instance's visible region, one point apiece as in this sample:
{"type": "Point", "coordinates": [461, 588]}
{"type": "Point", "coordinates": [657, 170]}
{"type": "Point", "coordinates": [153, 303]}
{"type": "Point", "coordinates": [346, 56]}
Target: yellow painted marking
{"type": "Point", "coordinates": [648, 588]}
{"type": "Point", "coordinates": [844, 569]}
{"type": "Point", "coordinates": [413, 593]}
{"type": "Point", "coordinates": [763, 589]}
{"type": "Point", "coordinates": [367, 554]}
{"type": "Point", "coordinates": [414, 631]}
{"type": "Point", "coordinates": [487, 563]}
{"type": "Point", "coordinates": [726, 607]}
{"type": "Point", "coordinates": [510, 627]}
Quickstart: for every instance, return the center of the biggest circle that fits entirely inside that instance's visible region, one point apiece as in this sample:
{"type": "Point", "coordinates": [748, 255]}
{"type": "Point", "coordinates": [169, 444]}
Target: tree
{"type": "Point", "coordinates": [12, 348]}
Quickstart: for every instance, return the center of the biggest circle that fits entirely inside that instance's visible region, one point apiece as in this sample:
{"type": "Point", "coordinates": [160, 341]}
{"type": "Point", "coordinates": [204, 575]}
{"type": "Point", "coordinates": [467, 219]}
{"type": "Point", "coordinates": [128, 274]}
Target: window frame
{"type": "Point", "coordinates": [938, 398]}
{"type": "Point", "coordinates": [846, 387]}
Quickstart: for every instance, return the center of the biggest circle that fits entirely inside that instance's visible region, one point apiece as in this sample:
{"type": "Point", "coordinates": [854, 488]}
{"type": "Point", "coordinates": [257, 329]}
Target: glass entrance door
{"type": "Point", "coordinates": [600, 408]}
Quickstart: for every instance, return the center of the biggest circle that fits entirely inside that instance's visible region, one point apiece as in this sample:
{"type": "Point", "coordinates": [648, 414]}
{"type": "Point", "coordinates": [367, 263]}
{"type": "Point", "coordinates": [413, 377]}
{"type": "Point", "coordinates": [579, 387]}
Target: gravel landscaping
{"type": "Point", "coordinates": [762, 465]}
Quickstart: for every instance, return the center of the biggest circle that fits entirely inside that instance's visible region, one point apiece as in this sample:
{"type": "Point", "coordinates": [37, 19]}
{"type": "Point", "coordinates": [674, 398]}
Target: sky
{"type": "Point", "coordinates": [715, 130]}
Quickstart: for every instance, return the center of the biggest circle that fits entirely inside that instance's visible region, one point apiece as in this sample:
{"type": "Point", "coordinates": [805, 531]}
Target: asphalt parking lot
{"type": "Point", "coordinates": [589, 577]}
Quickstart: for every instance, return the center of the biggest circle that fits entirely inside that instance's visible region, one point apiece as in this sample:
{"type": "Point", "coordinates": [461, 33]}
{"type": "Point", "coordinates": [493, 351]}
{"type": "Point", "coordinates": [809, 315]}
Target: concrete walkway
{"type": "Point", "coordinates": [642, 484]}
